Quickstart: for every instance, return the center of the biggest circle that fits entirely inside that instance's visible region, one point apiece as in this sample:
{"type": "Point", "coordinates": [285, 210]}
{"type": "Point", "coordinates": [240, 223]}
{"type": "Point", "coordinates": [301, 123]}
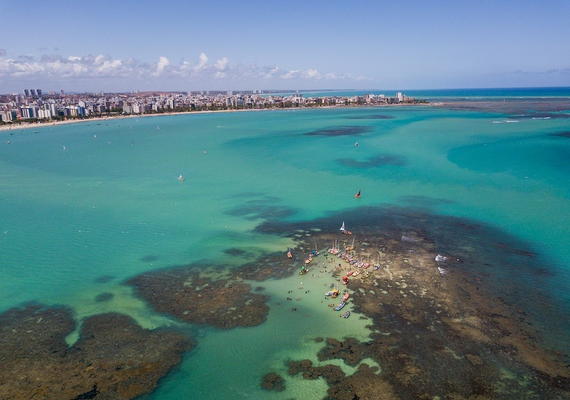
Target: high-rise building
{"type": "Point", "coordinates": [26, 93]}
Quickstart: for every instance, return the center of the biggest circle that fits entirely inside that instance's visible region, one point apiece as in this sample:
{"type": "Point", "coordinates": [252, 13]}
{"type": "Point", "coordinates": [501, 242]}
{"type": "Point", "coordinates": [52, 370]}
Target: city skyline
{"type": "Point", "coordinates": [222, 45]}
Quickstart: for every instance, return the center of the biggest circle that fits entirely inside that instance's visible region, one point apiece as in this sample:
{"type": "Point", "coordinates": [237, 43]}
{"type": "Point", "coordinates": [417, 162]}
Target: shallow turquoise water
{"type": "Point", "coordinates": [110, 204]}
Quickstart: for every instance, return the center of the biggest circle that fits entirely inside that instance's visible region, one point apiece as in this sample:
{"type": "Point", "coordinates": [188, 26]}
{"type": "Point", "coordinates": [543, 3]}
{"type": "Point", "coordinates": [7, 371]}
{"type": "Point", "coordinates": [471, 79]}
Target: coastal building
{"type": "Point", "coordinates": [25, 106]}
{"type": "Point", "coordinates": [6, 116]}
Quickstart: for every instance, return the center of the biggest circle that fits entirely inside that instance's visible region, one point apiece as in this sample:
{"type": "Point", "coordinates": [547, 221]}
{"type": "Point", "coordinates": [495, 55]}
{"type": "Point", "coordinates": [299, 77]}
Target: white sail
{"type": "Point", "coordinates": [342, 227]}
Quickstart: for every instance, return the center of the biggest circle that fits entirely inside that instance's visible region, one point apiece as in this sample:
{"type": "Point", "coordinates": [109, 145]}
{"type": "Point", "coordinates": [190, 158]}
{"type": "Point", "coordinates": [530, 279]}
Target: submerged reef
{"type": "Point", "coordinates": [273, 381]}
{"type": "Point", "coordinates": [187, 295]}
{"type": "Point", "coordinates": [340, 131]}
{"type": "Point", "coordinates": [454, 310]}
{"type": "Point", "coordinates": [114, 357]}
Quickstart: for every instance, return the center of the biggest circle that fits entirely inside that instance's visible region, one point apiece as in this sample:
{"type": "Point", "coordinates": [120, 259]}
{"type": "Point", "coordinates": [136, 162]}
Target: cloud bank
{"type": "Point", "coordinates": [105, 71]}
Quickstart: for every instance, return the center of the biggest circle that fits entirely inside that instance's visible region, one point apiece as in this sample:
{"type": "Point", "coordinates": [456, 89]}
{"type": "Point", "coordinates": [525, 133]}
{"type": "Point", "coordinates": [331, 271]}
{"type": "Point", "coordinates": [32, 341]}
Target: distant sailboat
{"type": "Point", "coordinates": [357, 195]}
{"type": "Point", "coordinates": [342, 227]}
{"type": "Point", "coordinates": [180, 178]}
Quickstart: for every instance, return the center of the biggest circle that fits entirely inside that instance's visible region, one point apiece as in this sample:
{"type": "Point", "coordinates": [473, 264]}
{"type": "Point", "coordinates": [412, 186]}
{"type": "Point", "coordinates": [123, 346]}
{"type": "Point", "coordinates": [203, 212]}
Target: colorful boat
{"type": "Point", "coordinates": [346, 314]}
{"type": "Point", "coordinates": [345, 296]}
{"type": "Point", "coordinates": [340, 306]}
{"type": "Point", "coordinates": [289, 254]}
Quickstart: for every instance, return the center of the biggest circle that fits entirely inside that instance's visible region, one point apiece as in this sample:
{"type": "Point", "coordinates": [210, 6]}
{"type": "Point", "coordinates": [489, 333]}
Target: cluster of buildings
{"type": "Point", "coordinates": [34, 106]}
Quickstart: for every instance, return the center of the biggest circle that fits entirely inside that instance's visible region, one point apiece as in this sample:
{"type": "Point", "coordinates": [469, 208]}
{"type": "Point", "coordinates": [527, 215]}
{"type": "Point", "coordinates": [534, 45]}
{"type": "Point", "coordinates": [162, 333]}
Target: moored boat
{"type": "Point", "coordinates": [346, 314]}
{"type": "Point", "coordinates": [340, 306]}
{"type": "Point", "coordinates": [343, 230]}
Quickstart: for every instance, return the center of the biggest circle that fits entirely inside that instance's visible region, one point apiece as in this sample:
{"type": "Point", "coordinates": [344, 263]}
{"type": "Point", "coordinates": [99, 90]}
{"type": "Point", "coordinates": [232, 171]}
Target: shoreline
{"type": "Point", "coordinates": [30, 125]}
{"type": "Point", "coordinates": [550, 107]}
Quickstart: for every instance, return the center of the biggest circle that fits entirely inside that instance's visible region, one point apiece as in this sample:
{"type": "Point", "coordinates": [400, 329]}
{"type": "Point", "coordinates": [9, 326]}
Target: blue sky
{"type": "Point", "coordinates": [241, 45]}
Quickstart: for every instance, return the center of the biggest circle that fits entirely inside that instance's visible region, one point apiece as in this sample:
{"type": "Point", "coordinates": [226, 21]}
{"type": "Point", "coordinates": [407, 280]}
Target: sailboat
{"type": "Point", "coordinates": [180, 178]}
{"type": "Point", "coordinates": [343, 230]}
{"type": "Point", "coordinates": [357, 195]}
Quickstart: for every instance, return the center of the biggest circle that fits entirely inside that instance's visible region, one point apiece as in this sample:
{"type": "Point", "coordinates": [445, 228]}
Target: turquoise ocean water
{"type": "Point", "coordinates": [110, 205]}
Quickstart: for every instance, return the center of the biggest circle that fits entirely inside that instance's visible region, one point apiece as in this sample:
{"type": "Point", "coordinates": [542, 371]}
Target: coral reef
{"type": "Point", "coordinates": [113, 359]}
{"type": "Point", "coordinates": [185, 294]}
{"type": "Point", "coordinates": [273, 381]}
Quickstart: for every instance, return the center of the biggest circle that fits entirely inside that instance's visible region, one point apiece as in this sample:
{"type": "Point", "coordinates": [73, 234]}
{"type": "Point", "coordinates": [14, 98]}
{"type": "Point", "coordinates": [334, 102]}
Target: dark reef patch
{"type": "Point", "coordinates": [331, 373]}
{"type": "Point", "coordinates": [373, 162]}
{"type": "Point", "coordinates": [113, 359]}
{"type": "Point", "coordinates": [104, 297]}
{"type": "Point", "coordinates": [104, 279]}
{"type": "Point", "coordinates": [365, 384]}
{"type": "Point", "coordinates": [564, 134]}
{"type": "Point", "coordinates": [273, 381]}
{"type": "Point", "coordinates": [341, 131]}
{"type": "Point", "coordinates": [186, 295]}
{"type": "Point", "coordinates": [262, 209]}
{"type": "Point", "coordinates": [149, 258]}
{"type": "Point", "coordinates": [350, 350]}
{"type": "Point", "coordinates": [370, 116]}
{"type": "Point", "coordinates": [273, 266]}
{"type": "Point", "coordinates": [235, 252]}
{"type": "Point", "coordinates": [532, 107]}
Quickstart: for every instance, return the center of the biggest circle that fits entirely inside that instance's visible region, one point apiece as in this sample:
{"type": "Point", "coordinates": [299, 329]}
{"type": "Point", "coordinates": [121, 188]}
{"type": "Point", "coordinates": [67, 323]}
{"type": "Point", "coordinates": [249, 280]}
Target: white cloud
{"type": "Point", "coordinates": [161, 65]}
{"type": "Point", "coordinates": [202, 63]}
{"type": "Point", "coordinates": [222, 64]}
{"type": "Point", "coordinates": [93, 69]}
